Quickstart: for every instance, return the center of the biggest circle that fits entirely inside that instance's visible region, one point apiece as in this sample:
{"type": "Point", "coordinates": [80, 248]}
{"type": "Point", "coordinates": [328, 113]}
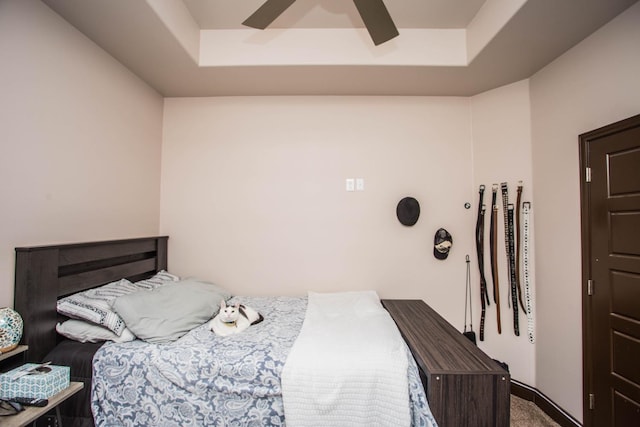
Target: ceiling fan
{"type": "Point", "coordinates": [373, 12]}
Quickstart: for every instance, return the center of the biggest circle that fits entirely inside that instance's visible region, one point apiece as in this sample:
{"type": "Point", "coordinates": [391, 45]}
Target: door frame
{"type": "Point", "coordinates": [585, 220]}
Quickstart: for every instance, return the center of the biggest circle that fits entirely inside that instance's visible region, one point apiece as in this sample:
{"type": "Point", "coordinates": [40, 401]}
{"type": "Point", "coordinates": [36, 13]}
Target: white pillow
{"type": "Point", "coordinates": [94, 305]}
{"type": "Point", "coordinates": [160, 278]}
{"type": "Point", "coordinates": [82, 331]}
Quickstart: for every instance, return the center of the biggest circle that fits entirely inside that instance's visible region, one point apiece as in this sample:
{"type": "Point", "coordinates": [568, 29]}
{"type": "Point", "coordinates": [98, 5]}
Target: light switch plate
{"type": "Point", "coordinates": [350, 184]}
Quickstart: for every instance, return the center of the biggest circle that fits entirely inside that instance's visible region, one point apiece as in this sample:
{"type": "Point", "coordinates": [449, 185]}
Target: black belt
{"type": "Point", "coordinates": [484, 297]}
{"type": "Point", "coordinates": [505, 209]}
{"type": "Point", "coordinates": [493, 234]}
{"type": "Point", "coordinates": [519, 245]}
{"type": "Point", "coordinates": [512, 269]}
{"type": "Point", "coordinates": [510, 250]}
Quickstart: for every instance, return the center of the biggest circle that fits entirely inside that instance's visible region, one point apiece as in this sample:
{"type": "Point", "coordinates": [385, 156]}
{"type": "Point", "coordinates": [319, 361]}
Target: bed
{"type": "Point", "coordinates": [197, 379]}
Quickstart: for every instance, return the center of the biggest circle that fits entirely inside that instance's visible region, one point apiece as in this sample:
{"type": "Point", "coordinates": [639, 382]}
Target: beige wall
{"type": "Point", "coordinates": [253, 194]}
{"type": "Point", "coordinates": [502, 153]}
{"type": "Point", "coordinates": [80, 139]}
{"type": "Point", "coordinates": [592, 85]}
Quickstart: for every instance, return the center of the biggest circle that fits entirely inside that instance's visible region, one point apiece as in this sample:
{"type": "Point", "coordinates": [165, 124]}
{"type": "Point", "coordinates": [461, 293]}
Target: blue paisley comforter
{"type": "Point", "coordinates": [206, 380]}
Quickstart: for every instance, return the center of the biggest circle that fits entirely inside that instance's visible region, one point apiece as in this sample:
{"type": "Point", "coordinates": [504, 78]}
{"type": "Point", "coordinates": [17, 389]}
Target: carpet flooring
{"type": "Point", "coordinates": [527, 414]}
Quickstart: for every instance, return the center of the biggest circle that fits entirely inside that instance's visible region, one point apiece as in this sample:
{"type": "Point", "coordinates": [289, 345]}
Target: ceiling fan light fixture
{"type": "Point", "coordinates": [267, 13]}
{"type": "Point", "coordinates": [374, 14]}
{"type": "Point", "coordinates": [376, 18]}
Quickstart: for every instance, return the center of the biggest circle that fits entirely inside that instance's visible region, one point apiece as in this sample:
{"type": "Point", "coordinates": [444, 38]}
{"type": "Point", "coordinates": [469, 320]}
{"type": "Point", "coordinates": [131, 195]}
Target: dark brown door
{"type": "Point", "coordinates": [611, 273]}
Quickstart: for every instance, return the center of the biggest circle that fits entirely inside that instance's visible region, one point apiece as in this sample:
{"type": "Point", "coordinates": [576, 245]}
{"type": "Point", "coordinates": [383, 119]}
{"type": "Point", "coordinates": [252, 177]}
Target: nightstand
{"type": "Point", "coordinates": [21, 349]}
{"type": "Point", "coordinates": [32, 413]}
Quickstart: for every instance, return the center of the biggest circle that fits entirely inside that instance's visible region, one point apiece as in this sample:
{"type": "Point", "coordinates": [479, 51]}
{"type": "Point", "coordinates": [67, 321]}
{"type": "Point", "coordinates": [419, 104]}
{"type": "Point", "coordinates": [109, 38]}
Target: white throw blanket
{"type": "Point", "coordinates": [348, 366]}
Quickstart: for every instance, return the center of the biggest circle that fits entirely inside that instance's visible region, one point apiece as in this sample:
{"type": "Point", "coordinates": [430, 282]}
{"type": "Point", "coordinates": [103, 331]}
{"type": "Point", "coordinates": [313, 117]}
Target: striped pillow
{"type": "Point", "coordinates": [161, 278]}
{"type": "Point", "coordinates": [94, 305]}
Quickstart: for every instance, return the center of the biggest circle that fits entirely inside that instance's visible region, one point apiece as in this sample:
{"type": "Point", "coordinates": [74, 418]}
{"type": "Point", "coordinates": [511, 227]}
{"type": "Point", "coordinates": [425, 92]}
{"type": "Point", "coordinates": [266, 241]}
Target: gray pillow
{"type": "Point", "coordinates": [95, 305]}
{"type": "Point", "coordinates": [165, 314]}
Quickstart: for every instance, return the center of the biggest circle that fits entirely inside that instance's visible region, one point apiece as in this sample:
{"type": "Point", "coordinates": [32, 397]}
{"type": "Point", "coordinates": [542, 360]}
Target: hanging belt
{"type": "Point", "coordinates": [518, 245]}
{"type": "Point", "coordinates": [525, 268]}
{"type": "Point", "coordinates": [505, 208]}
{"type": "Point", "coordinates": [493, 235]}
{"type": "Point", "coordinates": [484, 297]}
{"type": "Point", "coordinates": [512, 269]}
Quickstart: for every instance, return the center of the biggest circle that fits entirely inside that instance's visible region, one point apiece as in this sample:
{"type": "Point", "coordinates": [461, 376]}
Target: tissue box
{"type": "Point", "coordinates": [41, 385]}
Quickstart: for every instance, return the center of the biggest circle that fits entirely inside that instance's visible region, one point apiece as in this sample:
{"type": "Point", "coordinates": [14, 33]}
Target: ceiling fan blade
{"type": "Point", "coordinates": [267, 13]}
{"type": "Point", "coordinates": [377, 20]}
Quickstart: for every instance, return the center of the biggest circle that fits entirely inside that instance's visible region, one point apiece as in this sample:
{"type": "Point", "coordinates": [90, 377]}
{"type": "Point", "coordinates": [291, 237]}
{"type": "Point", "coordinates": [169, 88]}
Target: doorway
{"type": "Point", "coordinates": [610, 211]}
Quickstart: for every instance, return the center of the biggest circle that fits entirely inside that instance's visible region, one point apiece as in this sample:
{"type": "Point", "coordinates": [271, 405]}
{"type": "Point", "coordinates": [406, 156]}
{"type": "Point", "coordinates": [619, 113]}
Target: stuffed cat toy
{"type": "Point", "coordinates": [233, 319]}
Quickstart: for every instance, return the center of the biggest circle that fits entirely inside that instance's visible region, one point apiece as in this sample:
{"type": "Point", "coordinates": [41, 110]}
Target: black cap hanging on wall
{"type": "Point", "coordinates": [408, 211]}
{"type": "Point", "coordinates": [442, 243]}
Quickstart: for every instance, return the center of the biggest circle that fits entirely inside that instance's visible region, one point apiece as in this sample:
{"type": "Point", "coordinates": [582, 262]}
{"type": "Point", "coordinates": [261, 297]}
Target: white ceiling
{"type": "Point", "coordinates": [318, 47]}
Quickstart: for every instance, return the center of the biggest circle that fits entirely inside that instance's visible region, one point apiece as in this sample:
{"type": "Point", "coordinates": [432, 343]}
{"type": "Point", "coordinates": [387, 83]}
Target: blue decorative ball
{"type": "Point", "coordinates": [10, 329]}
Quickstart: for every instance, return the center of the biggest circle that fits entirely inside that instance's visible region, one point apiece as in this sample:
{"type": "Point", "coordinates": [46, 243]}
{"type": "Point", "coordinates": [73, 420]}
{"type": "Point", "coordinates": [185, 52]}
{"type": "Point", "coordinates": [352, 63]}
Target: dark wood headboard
{"type": "Point", "coordinates": [46, 273]}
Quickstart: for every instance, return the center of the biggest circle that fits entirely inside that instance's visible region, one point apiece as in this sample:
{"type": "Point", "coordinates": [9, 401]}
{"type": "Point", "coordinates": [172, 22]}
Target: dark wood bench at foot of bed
{"type": "Point", "coordinates": [46, 273]}
{"type": "Point", "coordinates": [464, 386]}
